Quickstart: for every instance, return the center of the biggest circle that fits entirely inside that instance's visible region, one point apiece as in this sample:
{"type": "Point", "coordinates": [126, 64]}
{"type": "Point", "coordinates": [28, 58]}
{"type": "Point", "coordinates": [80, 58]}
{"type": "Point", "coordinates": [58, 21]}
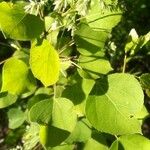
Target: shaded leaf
{"type": "Point", "coordinates": [81, 133]}
{"type": "Point", "coordinates": [37, 98]}
{"type": "Point", "coordinates": [78, 92]}
{"type": "Point", "coordinates": [88, 41]}
{"type": "Point", "coordinates": [51, 136]}
{"type": "Point", "coordinates": [145, 80]}
{"type": "Point", "coordinates": [63, 147]}
{"type": "Point", "coordinates": [97, 142]}
{"type": "Point", "coordinates": [16, 118]}
{"type": "Point", "coordinates": [41, 112]}
{"type": "Point", "coordinates": [93, 66]}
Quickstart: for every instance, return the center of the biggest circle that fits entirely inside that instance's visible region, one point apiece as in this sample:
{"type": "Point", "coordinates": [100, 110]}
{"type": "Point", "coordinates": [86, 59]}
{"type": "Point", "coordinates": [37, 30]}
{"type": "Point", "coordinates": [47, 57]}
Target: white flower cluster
{"type": "Point", "coordinates": [34, 6]}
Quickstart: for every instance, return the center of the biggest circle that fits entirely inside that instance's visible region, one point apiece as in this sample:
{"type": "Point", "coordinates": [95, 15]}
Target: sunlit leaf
{"type": "Point", "coordinates": [7, 99]}
{"type": "Point", "coordinates": [16, 24]}
{"type": "Point", "coordinates": [100, 18]}
{"type": "Point", "coordinates": [131, 142]}
{"type": "Point", "coordinates": [45, 63]}
{"type": "Point", "coordinates": [14, 76]}
{"type": "Point", "coordinates": [92, 67]}
{"type": "Point", "coordinates": [113, 103]}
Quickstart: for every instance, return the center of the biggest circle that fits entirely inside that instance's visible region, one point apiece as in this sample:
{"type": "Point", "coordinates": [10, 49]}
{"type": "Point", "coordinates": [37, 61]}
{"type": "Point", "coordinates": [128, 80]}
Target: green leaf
{"type": "Point", "coordinates": [22, 54]}
{"type": "Point", "coordinates": [93, 66]}
{"type": "Point", "coordinates": [37, 98]}
{"type": "Point", "coordinates": [113, 103]}
{"type": "Point", "coordinates": [41, 112]}
{"type": "Point", "coordinates": [45, 90]}
{"type": "Point", "coordinates": [7, 99]}
{"type": "Point", "coordinates": [141, 41]}
{"type": "Point", "coordinates": [100, 18]}
{"type": "Point", "coordinates": [64, 46]}
{"type": "Point", "coordinates": [78, 92]}
{"type": "Point", "coordinates": [63, 147]}
{"type": "Point", "coordinates": [131, 142]}
{"type": "Point", "coordinates": [145, 83]}
{"type": "Point", "coordinates": [14, 76]}
{"type": "Point", "coordinates": [16, 24]}
{"type": "Point", "coordinates": [52, 34]}
{"type": "Point", "coordinates": [115, 145]}
{"type": "Point", "coordinates": [60, 112]}
{"type": "Point", "coordinates": [132, 41]}
{"type": "Point", "coordinates": [97, 142]}
{"type": "Point", "coordinates": [45, 63]}
{"type": "Point", "coordinates": [142, 113]}
{"type": "Point", "coordinates": [63, 115]}
{"type": "Point", "coordinates": [16, 118]}
{"type": "Point", "coordinates": [110, 2]}
{"type": "Point", "coordinates": [31, 83]}
{"type": "Point", "coordinates": [51, 136]}
{"type": "Point", "coordinates": [145, 80]}
{"type": "Point", "coordinates": [88, 41]}
{"type": "Point", "coordinates": [81, 133]}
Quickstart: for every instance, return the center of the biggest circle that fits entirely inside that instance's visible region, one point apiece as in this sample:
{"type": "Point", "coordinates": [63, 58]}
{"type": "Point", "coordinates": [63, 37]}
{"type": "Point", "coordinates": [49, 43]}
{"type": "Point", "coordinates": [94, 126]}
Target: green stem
{"type": "Point", "coordinates": [116, 136]}
{"type": "Point", "coordinates": [124, 63]}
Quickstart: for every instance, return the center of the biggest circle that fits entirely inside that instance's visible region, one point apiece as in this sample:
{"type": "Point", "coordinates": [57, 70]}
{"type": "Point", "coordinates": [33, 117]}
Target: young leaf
{"type": "Point", "coordinates": [45, 63]}
{"type": "Point", "coordinates": [132, 41]}
{"type": "Point", "coordinates": [14, 76]}
{"type": "Point", "coordinates": [16, 24]}
{"type": "Point", "coordinates": [131, 142]}
{"type": "Point", "coordinates": [113, 103]}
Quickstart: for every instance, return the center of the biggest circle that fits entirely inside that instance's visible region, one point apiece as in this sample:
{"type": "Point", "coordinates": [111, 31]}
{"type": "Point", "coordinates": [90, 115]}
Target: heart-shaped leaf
{"type": "Point", "coordinates": [113, 103]}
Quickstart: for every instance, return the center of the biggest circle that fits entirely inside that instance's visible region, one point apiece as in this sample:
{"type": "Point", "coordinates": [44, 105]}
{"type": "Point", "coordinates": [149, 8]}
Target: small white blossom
{"type": "Point", "coordinates": [34, 6]}
{"type": "Point", "coordinates": [54, 25]}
